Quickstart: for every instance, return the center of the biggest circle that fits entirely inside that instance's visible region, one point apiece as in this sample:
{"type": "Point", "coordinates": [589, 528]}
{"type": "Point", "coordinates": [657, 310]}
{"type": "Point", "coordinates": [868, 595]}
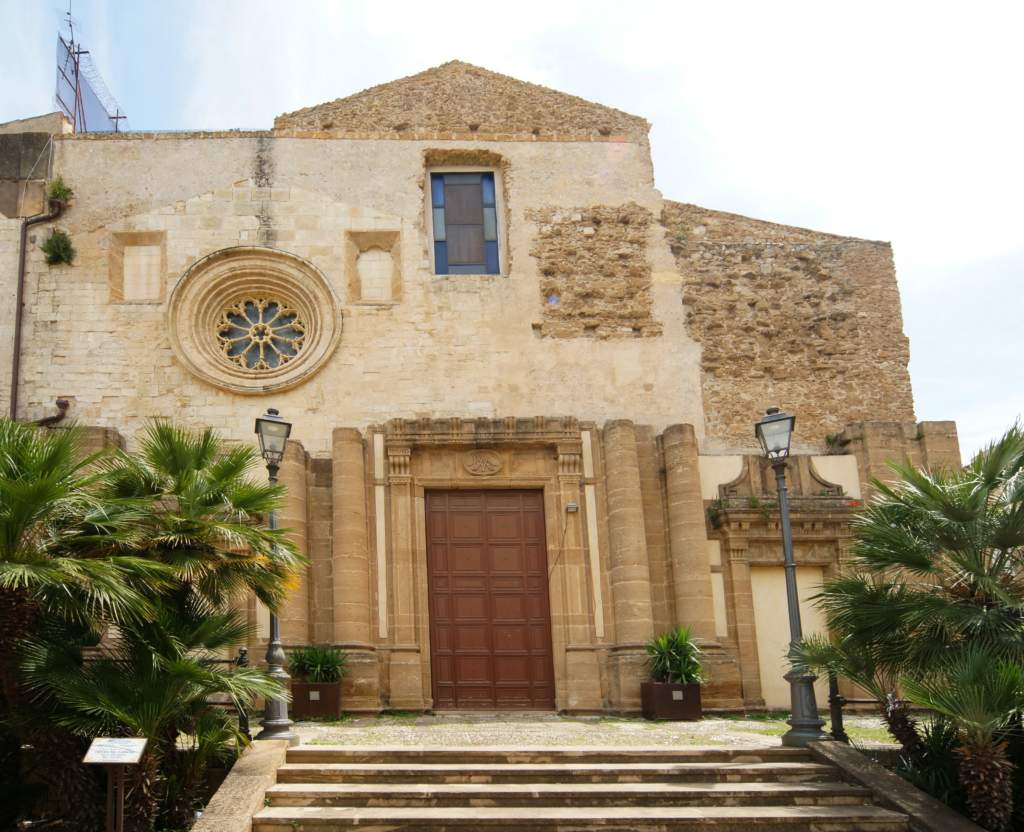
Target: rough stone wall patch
{"type": "Point", "coordinates": [803, 320]}
{"type": "Point", "coordinates": [595, 277]}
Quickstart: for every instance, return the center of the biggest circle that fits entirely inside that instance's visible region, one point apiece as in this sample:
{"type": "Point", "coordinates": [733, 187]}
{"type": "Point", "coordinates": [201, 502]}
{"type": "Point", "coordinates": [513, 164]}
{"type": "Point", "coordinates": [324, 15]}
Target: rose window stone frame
{"type": "Point", "coordinates": [253, 320]}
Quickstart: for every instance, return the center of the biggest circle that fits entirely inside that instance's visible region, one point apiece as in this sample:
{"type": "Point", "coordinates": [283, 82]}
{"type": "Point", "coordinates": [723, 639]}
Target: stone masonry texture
{"type": "Point", "coordinates": [595, 277]}
{"type": "Point", "coordinates": [793, 317]}
{"type": "Point", "coordinates": [459, 97]}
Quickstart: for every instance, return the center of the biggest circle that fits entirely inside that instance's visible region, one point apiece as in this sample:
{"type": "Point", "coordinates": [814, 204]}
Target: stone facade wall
{"type": "Point", "coordinates": [10, 232]}
{"type": "Point", "coordinates": [458, 97]}
{"type": "Point", "coordinates": [786, 316]}
{"type": "Point", "coordinates": [24, 165]}
{"type": "Point", "coordinates": [50, 123]}
{"type": "Point", "coordinates": [595, 275]}
{"type": "Point", "coordinates": [459, 345]}
{"type": "Point", "coordinates": [610, 352]}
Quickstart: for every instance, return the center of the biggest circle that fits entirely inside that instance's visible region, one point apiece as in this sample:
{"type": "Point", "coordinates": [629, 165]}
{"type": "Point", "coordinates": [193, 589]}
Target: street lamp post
{"type": "Point", "coordinates": [774, 432]}
{"type": "Point", "coordinates": [273, 434]}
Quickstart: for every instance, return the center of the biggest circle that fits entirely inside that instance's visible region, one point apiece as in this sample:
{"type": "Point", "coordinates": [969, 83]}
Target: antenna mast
{"type": "Point", "coordinates": [81, 94]}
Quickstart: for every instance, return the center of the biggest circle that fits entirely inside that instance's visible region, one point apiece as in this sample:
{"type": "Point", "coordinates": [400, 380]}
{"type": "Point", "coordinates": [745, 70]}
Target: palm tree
{"type": "Point", "coordinates": [937, 563]}
{"type": "Point", "coordinates": [157, 544]}
{"type": "Point", "coordinates": [981, 696]}
{"type": "Point", "coordinates": [936, 575]}
{"type": "Point", "coordinates": [205, 518]}
{"type": "Point", "coordinates": [64, 545]}
{"type": "Point", "coordinates": [154, 680]}
{"type": "Point", "coordinates": [66, 550]}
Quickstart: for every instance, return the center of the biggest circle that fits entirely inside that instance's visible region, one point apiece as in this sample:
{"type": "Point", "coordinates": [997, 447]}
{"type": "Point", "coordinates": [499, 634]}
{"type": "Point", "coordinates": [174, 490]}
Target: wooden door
{"type": "Point", "coordinates": [490, 620]}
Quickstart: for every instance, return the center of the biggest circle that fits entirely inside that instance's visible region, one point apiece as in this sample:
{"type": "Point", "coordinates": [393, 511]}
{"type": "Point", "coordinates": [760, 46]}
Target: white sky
{"type": "Point", "coordinates": [898, 121]}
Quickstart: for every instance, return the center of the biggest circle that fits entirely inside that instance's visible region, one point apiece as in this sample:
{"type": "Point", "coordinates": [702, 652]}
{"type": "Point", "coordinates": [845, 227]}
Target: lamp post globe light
{"type": "Point", "coordinates": [774, 432]}
{"type": "Point", "coordinates": [273, 433]}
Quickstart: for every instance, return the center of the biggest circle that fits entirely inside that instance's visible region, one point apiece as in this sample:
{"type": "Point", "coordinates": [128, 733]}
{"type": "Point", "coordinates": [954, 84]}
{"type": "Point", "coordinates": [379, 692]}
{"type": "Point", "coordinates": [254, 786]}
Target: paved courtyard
{"type": "Point", "coordinates": [552, 730]}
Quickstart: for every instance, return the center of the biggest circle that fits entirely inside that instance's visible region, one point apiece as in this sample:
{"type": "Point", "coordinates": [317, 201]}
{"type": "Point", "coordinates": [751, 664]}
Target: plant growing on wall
{"type": "Point", "coordinates": [715, 511]}
{"type": "Point", "coordinates": [835, 443]}
{"type": "Point", "coordinates": [58, 248]}
{"type": "Point", "coordinates": [58, 190]}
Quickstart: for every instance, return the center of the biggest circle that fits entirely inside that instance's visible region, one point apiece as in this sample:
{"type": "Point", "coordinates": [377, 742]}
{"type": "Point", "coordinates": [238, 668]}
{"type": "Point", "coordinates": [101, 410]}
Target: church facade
{"type": "Point", "coordinates": [523, 384]}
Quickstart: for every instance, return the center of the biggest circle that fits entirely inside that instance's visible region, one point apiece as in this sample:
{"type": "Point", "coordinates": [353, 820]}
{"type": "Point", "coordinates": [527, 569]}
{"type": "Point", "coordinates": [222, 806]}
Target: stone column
{"type": "Point", "coordinates": [351, 572]}
{"type": "Point", "coordinates": [688, 533]}
{"type": "Point", "coordinates": [742, 598]}
{"type": "Point", "coordinates": [294, 612]}
{"type": "Point", "coordinates": [581, 689]}
{"type": "Point", "coordinates": [405, 671]}
{"type": "Point", "coordinates": [630, 575]}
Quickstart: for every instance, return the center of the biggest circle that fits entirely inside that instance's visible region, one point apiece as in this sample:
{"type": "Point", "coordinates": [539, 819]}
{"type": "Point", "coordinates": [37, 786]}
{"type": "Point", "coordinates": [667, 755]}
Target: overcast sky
{"type": "Point", "coordinates": [897, 121]}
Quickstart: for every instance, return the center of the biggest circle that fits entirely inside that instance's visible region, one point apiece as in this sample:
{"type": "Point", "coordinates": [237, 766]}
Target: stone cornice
{"type": "Point", "coordinates": [536, 430]}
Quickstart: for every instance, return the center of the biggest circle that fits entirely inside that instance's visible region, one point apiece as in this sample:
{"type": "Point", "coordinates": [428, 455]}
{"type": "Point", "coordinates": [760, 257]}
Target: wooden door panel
{"type": "Point", "coordinates": [490, 627]}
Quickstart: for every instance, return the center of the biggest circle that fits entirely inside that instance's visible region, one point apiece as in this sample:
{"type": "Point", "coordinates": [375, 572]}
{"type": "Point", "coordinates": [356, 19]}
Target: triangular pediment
{"type": "Point", "coordinates": [457, 97]}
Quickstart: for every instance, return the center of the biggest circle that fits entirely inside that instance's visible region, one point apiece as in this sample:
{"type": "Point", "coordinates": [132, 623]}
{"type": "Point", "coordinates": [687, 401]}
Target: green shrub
{"type": "Point", "coordinates": [59, 189]}
{"type": "Point", "coordinates": [317, 664]}
{"type": "Point", "coordinates": [58, 248]}
{"type": "Point", "coordinates": [674, 657]}
{"type": "Point", "coordinates": [934, 768]}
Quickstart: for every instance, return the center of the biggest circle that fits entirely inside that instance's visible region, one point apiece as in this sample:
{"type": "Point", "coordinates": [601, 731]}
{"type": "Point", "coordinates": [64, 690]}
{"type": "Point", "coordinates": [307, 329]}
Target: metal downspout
{"type": "Point", "coordinates": [56, 209]}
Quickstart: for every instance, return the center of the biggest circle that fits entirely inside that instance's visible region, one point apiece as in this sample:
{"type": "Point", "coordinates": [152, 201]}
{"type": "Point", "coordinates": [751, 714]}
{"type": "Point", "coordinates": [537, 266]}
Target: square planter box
{"type": "Point", "coordinates": [316, 699]}
{"type": "Point", "coordinates": [661, 700]}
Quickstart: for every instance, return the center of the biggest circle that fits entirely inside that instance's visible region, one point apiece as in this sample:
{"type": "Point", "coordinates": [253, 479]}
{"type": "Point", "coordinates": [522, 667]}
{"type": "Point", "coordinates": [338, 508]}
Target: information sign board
{"type": "Point", "coordinates": [116, 750]}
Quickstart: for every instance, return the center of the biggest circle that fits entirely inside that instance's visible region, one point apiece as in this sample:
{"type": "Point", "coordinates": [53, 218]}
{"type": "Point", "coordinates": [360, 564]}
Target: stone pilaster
{"type": "Point", "coordinates": [940, 446]}
{"type": "Point", "coordinates": [294, 612]}
{"type": "Point", "coordinates": [405, 671]}
{"type": "Point", "coordinates": [688, 533]}
{"type": "Point", "coordinates": [320, 511]}
{"type": "Point", "coordinates": [630, 575]}
{"type": "Point", "coordinates": [742, 603]}
{"type": "Point", "coordinates": [659, 559]}
{"type": "Point", "coordinates": [582, 688]}
{"type": "Point", "coordinates": [351, 572]}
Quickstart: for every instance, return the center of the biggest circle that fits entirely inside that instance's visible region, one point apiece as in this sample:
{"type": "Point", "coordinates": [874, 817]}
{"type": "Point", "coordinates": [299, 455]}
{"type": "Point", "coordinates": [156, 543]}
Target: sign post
{"type": "Point", "coordinates": [115, 754]}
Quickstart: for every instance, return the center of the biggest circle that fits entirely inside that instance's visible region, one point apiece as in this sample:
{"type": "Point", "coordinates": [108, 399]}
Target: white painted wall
{"type": "Point", "coordinates": [772, 624]}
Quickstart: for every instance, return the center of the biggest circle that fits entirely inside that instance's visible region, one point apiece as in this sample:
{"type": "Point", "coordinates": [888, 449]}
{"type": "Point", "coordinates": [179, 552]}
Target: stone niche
{"type": "Point", "coordinates": [373, 261]}
{"type": "Point", "coordinates": [137, 266]}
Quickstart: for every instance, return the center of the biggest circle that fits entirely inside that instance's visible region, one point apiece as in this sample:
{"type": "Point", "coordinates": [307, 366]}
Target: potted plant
{"type": "Point", "coordinates": [316, 681]}
{"type": "Point", "coordinates": [676, 676]}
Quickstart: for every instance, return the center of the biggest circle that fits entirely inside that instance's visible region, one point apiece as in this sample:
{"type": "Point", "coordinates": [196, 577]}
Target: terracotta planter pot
{"type": "Point", "coordinates": [661, 700]}
{"type": "Point", "coordinates": [316, 699]}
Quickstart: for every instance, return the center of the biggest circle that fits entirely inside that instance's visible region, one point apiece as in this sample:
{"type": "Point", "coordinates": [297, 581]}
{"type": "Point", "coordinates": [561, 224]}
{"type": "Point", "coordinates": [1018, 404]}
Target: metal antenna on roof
{"type": "Point", "coordinates": [81, 94]}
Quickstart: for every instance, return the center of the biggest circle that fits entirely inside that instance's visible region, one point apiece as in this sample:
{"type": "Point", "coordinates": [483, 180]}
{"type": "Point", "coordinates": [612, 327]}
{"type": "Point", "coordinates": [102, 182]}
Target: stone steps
{"type": "Point", "coordinates": [426, 754]}
{"type": "Point", "coordinates": [574, 819]}
{"type": "Point", "coordinates": [734, 772]}
{"type": "Point", "coordinates": [565, 794]}
{"type": "Point", "coordinates": [327, 789]}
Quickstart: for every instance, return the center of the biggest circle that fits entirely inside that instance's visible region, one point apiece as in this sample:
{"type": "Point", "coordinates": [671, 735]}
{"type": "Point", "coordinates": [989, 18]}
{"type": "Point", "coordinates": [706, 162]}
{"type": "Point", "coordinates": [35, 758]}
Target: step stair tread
{"type": "Point", "coordinates": [559, 768]}
{"type": "Point", "coordinates": [284, 815]}
{"type": "Point", "coordinates": [528, 789]}
{"type": "Point", "coordinates": [298, 753]}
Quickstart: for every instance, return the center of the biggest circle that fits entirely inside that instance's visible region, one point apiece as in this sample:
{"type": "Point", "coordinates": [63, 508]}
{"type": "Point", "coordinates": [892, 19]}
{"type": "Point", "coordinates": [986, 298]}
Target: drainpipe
{"type": "Point", "coordinates": [56, 209]}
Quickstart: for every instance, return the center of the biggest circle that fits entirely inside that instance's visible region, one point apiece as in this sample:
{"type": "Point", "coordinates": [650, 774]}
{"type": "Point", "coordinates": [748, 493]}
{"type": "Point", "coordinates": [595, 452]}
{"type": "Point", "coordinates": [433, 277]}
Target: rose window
{"type": "Point", "coordinates": [260, 333]}
{"type": "Point", "coordinates": [253, 320]}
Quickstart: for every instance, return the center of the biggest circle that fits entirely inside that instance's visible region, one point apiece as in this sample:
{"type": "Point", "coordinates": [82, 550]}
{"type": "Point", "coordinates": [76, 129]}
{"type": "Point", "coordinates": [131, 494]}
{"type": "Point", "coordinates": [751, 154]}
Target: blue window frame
{"type": "Point", "coordinates": [465, 219]}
